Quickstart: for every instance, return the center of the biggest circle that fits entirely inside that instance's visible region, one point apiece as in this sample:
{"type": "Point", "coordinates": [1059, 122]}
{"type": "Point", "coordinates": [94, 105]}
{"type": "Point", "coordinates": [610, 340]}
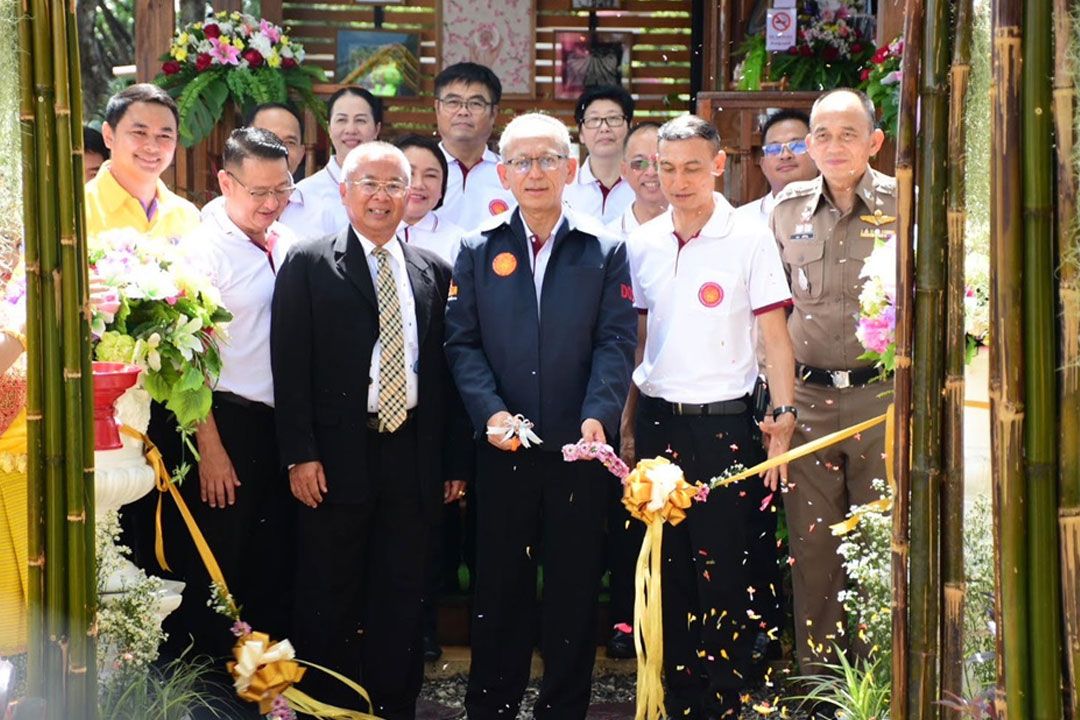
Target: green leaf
{"type": "Point", "coordinates": [191, 379]}
{"type": "Point", "coordinates": [190, 406]}
{"type": "Point", "coordinates": [157, 386]}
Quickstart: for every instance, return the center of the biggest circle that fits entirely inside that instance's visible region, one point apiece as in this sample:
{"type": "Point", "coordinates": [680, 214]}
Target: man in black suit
{"type": "Point", "coordinates": [365, 410]}
{"type": "Point", "coordinates": [540, 323]}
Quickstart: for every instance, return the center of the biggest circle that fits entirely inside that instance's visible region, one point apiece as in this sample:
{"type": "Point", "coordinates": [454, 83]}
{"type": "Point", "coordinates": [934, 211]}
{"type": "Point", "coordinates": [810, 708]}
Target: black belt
{"type": "Point", "coordinates": [838, 378]}
{"type": "Point", "coordinates": [242, 401]}
{"type": "Point", "coordinates": [373, 420]}
{"type": "Point", "coordinates": [722, 407]}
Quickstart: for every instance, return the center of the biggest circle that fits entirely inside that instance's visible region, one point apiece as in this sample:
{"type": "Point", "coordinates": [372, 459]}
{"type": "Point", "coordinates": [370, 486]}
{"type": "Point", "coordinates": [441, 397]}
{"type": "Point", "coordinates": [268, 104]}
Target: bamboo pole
{"type": "Point", "coordinates": [905, 284]}
{"type": "Point", "coordinates": [1007, 357]}
{"type": "Point", "coordinates": [1040, 364]}
{"type": "Point", "coordinates": [929, 372]}
{"type": "Point", "coordinates": [952, 487]}
{"type": "Point", "coordinates": [1069, 342]}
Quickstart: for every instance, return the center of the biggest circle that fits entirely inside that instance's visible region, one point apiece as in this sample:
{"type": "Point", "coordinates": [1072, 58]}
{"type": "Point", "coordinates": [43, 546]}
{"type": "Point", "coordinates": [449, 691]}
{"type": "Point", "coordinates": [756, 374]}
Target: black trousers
{"type": "Point", "coordinates": [534, 506]}
{"type": "Point", "coordinates": [707, 558]}
{"type": "Point", "coordinates": [360, 583]}
{"type": "Point", "coordinates": [625, 535]}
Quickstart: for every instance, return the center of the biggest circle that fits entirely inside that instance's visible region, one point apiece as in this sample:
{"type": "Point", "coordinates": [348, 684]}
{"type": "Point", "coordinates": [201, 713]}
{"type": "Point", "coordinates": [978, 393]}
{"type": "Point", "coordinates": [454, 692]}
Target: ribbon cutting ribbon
{"type": "Point", "coordinates": [262, 670]}
{"type": "Point", "coordinates": [518, 430]}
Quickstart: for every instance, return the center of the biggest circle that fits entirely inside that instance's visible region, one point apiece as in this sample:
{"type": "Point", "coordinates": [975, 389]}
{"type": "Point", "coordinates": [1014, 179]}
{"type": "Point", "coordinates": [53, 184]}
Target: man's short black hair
{"type": "Point", "coordinates": [647, 125]}
{"type": "Point", "coordinates": [470, 73]}
{"type": "Point", "coordinates": [426, 143]}
{"type": "Point", "coordinates": [616, 93]}
{"type": "Point", "coordinates": [782, 115]}
{"type": "Point", "coordinates": [373, 102]}
{"type": "Point", "coordinates": [287, 107]}
{"type": "Point", "coordinates": [94, 143]}
{"type": "Point", "coordinates": [140, 92]}
{"type": "Point", "coordinates": [251, 142]}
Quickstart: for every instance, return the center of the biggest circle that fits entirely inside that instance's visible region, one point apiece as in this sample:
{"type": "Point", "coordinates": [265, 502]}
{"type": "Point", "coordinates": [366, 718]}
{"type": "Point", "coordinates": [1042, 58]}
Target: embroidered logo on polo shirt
{"type": "Point", "coordinates": [504, 264]}
{"type": "Point", "coordinates": [710, 294]}
{"type": "Point", "coordinates": [498, 206]}
{"type": "Point", "coordinates": [626, 292]}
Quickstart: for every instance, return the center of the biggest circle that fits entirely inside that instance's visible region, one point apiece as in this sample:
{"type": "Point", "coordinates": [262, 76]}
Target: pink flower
{"type": "Point", "coordinates": [702, 493]}
{"type": "Point", "coordinates": [877, 334]}
{"type": "Point", "coordinates": [224, 54]}
{"type": "Point", "coordinates": [107, 302]}
{"type": "Point", "coordinates": [270, 30]}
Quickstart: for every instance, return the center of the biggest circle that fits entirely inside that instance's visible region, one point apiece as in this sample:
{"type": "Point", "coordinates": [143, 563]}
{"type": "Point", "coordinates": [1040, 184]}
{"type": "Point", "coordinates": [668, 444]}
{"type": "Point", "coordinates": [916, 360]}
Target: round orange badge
{"type": "Point", "coordinates": [497, 206]}
{"type": "Point", "coordinates": [710, 294]}
{"type": "Point", "coordinates": [504, 264]}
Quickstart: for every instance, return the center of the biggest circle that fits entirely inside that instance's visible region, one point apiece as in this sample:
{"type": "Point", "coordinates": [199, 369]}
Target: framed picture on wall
{"type": "Point", "coordinates": [582, 60]}
{"type": "Point", "coordinates": [500, 34]}
{"type": "Point", "coordinates": [386, 63]}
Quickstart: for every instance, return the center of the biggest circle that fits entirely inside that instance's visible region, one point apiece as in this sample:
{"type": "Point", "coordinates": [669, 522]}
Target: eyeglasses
{"type": "Point", "coordinates": [795, 147]}
{"type": "Point", "coordinates": [393, 188]}
{"type": "Point", "coordinates": [454, 103]}
{"type": "Point", "coordinates": [641, 164]}
{"type": "Point", "coordinates": [523, 165]}
{"type": "Point", "coordinates": [612, 121]}
{"type": "Point", "coordinates": [264, 194]}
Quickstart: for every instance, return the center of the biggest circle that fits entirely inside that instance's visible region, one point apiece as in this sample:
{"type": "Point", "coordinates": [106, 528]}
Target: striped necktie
{"type": "Point", "coordinates": [392, 396]}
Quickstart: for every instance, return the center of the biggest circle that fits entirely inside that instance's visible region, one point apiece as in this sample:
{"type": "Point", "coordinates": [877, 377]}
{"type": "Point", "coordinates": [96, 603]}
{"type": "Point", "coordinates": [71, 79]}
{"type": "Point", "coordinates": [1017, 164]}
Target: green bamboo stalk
{"type": "Point", "coordinates": [1068, 261]}
{"type": "Point", "coordinates": [952, 487]}
{"type": "Point", "coordinates": [35, 435]}
{"type": "Point", "coordinates": [1040, 362]}
{"type": "Point", "coordinates": [929, 372]}
{"type": "Point", "coordinates": [905, 285]}
{"type": "Point", "coordinates": [1007, 358]}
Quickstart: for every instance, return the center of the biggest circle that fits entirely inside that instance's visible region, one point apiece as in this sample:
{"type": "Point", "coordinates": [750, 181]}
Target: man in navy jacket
{"type": "Point", "coordinates": [540, 323]}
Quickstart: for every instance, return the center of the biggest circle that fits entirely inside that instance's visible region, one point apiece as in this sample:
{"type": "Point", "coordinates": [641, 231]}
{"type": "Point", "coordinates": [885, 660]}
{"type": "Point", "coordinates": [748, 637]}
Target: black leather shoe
{"type": "Point", "coordinates": [621, 646]}
{"type": "Point", "coordinates": [432, 651]}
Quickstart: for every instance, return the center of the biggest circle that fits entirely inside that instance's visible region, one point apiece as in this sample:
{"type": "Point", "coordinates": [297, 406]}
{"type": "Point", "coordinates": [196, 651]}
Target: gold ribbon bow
{"type": "Point", "coordinates": [263, 670]}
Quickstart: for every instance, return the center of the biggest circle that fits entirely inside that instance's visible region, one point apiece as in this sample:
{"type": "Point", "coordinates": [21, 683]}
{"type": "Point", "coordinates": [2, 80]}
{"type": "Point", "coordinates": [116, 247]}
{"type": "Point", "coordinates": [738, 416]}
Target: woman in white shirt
{"type": "Point", "coordinates": [421, 225]}
{"type": "Point", "coordinates": [355, 117]}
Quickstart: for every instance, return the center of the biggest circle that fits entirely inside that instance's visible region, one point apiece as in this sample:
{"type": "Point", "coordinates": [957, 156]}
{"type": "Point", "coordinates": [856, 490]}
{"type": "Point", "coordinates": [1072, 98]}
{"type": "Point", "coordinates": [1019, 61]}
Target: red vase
{"type": "Point", "coordinates": [111, 380]}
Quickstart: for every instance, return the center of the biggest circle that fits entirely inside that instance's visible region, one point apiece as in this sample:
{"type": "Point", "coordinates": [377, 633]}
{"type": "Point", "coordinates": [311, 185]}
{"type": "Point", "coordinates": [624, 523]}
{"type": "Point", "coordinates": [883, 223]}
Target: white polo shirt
{"type": "Point", "coordinates": [760, 209]}
{"type": "Point", "coordinates": [625, 224]}
{"type": "Point", "coordinates": [586, 196]}
{"type": "Point", "coordinates": [320, 211]}
{"type": "Point", "coordinates": [701, 301]}
{"type": "Point", "coordinates": [433, 233]}
{"type": "Point", "coordinates": [407, 303]}
{"type": "Point", "coordinates": [244, 274]}
{"type": "Point", "coordinates": [474, 195]}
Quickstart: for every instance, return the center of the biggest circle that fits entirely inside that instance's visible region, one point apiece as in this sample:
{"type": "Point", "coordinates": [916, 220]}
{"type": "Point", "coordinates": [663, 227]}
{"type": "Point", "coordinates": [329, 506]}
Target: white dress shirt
{"type": "Point", "coordinates": [408, 322]}
{"type": "Point", "coordinates": [474, 195]}
{"type": "Point", "coordinates": [320, 211]}
{"type": "Point", "coordinates": [433, 233]}
{"type": "Point", "coordinates": [291, 216]}
{"type": "Point", "coordinates": [243, 273]}
{"type": "Point", "coordinates": [701, 299]}
{"type": "Point", "coordinates": [586, 197]}
{"type": "Point", "coordinates": [539, 263]}
{"type": "Point", "coordinates": [760, 209]}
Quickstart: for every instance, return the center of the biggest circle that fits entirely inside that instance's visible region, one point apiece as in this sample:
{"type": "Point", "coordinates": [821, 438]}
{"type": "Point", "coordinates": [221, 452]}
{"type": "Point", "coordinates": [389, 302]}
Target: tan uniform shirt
{"type": "Point", "coordinates": [823, 251]}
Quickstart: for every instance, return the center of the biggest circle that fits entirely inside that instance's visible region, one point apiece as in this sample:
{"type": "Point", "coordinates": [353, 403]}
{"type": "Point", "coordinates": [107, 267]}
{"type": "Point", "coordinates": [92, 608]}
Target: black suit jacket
{"type": "Point", "coordinates": [573, 361]}
{"type": "Point", "coordinates": [325, 322]}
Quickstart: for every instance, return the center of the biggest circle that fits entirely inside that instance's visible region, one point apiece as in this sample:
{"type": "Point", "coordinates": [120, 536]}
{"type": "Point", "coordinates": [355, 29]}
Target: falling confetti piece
{"type": "Point", "coordinates": [767, 501]}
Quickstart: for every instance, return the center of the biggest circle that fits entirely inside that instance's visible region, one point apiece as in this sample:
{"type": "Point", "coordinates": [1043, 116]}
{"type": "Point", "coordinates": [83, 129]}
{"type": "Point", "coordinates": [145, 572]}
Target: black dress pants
{"type": "Point", "coordinates": [360, 583]}
{"type": "Point", "coordinates": [707, 611]}
{"type": "Point", "coordinates": [528, 500]}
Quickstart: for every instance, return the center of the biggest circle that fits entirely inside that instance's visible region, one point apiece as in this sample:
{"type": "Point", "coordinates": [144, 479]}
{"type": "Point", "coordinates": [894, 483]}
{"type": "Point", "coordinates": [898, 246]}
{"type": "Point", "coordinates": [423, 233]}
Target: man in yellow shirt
{"type": "Point", "coordinates": [140, 129]}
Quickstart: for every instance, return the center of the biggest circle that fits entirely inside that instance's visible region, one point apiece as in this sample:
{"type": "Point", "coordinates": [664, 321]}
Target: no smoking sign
{"type": "Point", "coordinates": [780, 25]}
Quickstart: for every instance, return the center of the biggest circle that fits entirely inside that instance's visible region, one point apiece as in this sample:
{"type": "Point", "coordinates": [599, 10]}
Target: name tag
{"type": "Point", "coordinates": [802, 237]}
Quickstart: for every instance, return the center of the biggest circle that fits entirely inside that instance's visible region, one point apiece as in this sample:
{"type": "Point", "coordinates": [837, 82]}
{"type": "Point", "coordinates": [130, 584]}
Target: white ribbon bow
{"type": "Point", "coordinates": [255, 654]}
{"type": "Point", "coordinates": [518, 426]}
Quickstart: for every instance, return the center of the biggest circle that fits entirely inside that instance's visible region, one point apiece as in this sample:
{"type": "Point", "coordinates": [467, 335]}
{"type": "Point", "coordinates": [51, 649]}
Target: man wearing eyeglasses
{"type": "Point", "coordinates": [466, 104]}
{"type": "Point", "coordinates": [237, 492]}
{"type": "Point", "coordinates": [603, 115]}
{"type": "Point", "coordinates": [541, 326]}
{"type": "Point", "coordinates": [364, 402]}
{"type": "Point", "coordinates": [826, 228]}
{"type": "Point", "coordinates": [784, 159]}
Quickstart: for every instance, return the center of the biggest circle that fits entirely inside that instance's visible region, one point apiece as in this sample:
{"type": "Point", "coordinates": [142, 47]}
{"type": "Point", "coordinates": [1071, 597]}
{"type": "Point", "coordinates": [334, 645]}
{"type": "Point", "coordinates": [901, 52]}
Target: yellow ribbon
{"type": "Point", "coordinates": [270, 680]}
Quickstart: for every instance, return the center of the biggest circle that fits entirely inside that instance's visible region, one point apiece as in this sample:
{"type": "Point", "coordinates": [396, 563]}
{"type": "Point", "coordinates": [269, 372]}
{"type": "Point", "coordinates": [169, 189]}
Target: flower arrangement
{"type": "Point", "coordinates": [231, 55]}
{"type": "Point", "coordinates": [881, 82]}
{"type": "Point", "coordinates": [161, 312]}
{"type": "Point", "coordinates": [830, 49]}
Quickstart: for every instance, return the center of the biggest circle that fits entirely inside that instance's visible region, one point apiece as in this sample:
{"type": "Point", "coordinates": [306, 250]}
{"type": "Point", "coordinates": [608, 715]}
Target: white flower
{"type": "Point", "coordinates": [261, 43]}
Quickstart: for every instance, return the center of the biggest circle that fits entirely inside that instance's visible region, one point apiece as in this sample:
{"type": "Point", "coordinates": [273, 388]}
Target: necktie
{"type": "Point", "coordinates": [392, 411]}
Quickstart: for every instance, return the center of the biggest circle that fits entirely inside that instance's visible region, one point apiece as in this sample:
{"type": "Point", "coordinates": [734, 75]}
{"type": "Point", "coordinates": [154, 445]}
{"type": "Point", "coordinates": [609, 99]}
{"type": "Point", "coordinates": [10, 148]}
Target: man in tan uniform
{"type": "Point", "coordinates": [826, 228]}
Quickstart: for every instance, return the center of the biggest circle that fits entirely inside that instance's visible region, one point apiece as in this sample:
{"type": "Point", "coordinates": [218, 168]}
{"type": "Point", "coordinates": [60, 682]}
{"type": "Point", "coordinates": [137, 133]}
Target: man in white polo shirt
{"type": "Point", "coordinates": [603, 115]}
{"type": "Point", "coordinates": [466, 104]}
{"type": "Point", "coordinates": [639, 172]}
{"type": "Point", "coordinates": [784, 159]}
{"type": "Point", "coordinates": [700, 279]}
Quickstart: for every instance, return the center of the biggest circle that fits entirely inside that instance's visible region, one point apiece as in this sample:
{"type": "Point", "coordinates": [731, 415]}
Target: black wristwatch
{"type": "Point", "coordinates": [777, 412]}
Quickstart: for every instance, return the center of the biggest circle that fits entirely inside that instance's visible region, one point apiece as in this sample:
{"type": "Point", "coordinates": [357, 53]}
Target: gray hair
{"type": "Point", "coordinates": [376, 149]}
{"type": "Point", "coordinates": [688, 127]}
{"type": "Point", "coordinates": [535, 125]}
{"type": "Point", "coordinates": [863, 98]}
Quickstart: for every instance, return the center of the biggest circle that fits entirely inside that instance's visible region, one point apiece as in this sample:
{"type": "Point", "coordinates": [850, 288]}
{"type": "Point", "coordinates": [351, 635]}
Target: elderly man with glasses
{"type": "Point", "coordinates": [603, 115]}
{"type": "Point", "coordinates": [783, 160]}
{"type": "Point", "coordinates": [365, 410]}
{"type": "Point", "coordinates": [540, 329]}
